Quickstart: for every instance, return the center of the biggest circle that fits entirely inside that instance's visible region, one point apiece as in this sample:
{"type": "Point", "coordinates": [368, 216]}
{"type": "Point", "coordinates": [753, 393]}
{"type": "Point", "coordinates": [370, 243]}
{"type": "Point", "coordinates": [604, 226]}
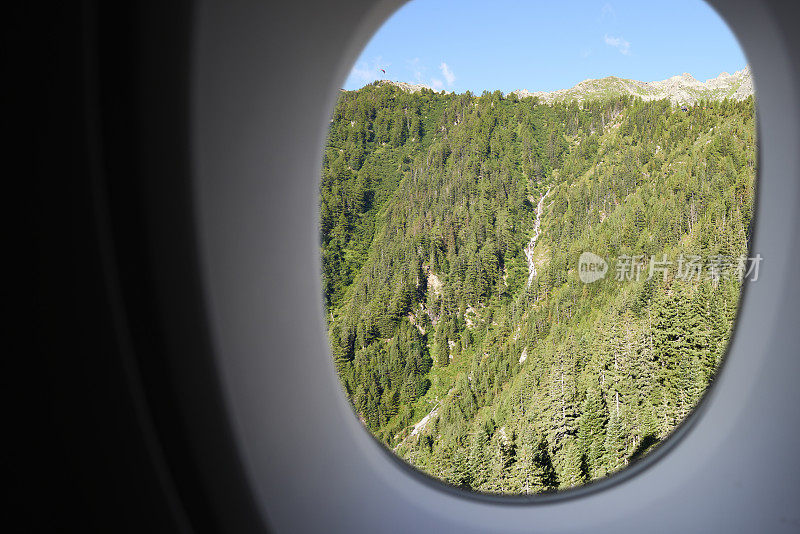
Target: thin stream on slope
{"type": "Point", "coordinates": [532, 242]}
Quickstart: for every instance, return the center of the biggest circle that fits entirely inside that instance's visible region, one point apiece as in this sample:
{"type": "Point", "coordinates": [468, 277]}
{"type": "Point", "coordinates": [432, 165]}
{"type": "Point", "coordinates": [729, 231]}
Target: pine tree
{"type": "Point", "coordinates": [591, 434]}
{"type": "Point", "coordinates": [478, 456]}
{"type": "Point", "coordinates": [615, 457]}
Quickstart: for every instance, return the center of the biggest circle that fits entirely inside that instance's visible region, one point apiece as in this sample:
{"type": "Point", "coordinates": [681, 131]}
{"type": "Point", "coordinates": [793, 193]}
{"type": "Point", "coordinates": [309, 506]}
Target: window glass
{"type": "Point", "coordinates": [532, 253]}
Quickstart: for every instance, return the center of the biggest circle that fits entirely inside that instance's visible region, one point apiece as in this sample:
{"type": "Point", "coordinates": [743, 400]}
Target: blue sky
{"type": "Point", "coordinates": [461, 45]}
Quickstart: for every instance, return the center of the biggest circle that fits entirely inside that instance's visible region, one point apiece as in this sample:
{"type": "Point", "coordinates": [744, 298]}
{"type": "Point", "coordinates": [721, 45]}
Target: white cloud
{"type": "Point", "coordinates": [365, 72]}
{"type": "Point", "coordinates": [586, 52]}
{"type": "Point", "coordinates": [447, 73]}
{"type": "Point", "coordinates": [418, 72]}
{"type": "Point", "coordinates": [361, 72]}
{"type": "Point", "coordinates": [607, 11]}
{"type": "Point", "coordinates": [619, 43]}
{"type": "Point", "coordinates": [416, 69]}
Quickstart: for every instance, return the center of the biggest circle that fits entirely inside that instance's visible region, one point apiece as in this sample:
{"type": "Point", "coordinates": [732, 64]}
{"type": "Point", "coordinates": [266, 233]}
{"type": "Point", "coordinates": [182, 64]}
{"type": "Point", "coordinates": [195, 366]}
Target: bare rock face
{"type": "Point", "coordinates": [407, 87]}
{"type": "Point", "coordinates": [682, 89]}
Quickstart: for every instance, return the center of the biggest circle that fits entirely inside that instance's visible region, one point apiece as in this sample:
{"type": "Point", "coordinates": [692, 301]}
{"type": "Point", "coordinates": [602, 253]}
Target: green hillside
{"type": "Point", "coordinates": [449, 356]}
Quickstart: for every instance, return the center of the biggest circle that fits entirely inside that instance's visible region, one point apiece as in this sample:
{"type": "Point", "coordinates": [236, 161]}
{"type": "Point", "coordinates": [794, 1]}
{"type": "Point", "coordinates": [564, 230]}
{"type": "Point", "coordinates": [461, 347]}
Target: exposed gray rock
{"type": "Point", "coordinates": [683, 89]}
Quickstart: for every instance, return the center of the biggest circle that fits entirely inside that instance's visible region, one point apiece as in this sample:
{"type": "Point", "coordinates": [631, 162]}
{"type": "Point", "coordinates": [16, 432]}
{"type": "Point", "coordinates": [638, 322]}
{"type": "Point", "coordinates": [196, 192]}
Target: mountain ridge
{"type": "Point", "coordinates": [678, 89]}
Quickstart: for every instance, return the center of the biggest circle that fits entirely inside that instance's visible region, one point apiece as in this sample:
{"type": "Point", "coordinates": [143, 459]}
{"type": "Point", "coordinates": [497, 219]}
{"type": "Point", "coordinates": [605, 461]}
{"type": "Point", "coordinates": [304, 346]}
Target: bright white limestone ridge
{"type": "Point", "coordinates": [683, 89]}
{"type": "Point", "coordinates": [407, 87]}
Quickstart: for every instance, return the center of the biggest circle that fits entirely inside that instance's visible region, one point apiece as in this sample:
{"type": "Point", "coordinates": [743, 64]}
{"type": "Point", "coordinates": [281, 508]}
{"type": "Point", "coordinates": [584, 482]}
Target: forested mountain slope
{"type": "Point", "coordinates": [449, 356]}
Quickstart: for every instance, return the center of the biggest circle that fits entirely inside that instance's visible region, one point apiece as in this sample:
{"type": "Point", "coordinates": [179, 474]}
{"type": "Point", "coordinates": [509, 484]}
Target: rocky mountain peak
{"type": "Point", "coordinates": [679, 89]}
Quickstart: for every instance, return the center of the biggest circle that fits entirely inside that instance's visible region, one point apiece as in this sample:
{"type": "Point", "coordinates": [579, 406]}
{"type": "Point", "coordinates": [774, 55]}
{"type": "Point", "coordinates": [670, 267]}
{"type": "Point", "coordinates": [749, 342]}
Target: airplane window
{"type": "Point", "coordinates": [535, 224]}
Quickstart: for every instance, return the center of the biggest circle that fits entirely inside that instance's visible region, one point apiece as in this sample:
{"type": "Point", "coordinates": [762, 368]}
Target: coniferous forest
{"type": "Point", "coordinates": [429, 238]}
